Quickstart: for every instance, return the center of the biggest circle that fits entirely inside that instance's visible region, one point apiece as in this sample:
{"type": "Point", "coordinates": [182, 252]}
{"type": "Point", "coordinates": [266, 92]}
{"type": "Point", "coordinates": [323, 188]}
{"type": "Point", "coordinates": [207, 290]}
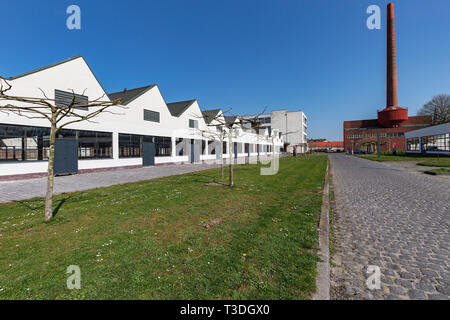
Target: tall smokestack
{"type": "Point", "coordinates": [391, 93]}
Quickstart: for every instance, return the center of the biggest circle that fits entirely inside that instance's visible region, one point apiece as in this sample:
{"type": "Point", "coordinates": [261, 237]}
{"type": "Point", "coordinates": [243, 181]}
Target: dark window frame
{"type": "Point", "coordinates": [153, 116]}
{"type": "Point", "coordinates": [65, 98]}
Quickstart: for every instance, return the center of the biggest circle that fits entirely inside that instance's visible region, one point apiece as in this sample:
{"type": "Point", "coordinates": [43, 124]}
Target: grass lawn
{"type": "Point", "coordinates": [404, 157]}
{"type": "Point", "coordinates": [171, 238]}
{"type": "Point", "coordinates": [442, 170]}
{"type": "Point", "coordinates": [442, 162]}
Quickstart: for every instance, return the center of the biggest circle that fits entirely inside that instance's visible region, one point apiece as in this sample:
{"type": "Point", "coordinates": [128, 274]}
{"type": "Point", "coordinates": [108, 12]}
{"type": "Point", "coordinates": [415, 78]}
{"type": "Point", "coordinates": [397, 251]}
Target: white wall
{"type": "Point", "coordinates": [76, 75]}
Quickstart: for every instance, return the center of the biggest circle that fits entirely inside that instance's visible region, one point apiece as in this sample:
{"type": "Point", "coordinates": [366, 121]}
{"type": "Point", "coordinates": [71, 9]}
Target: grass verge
{"type": "Point", "coordinates": [442, 162]}
{"type": "Point", "coordinates": [171, 238]}
{"type": "Point", "coordinates": [438, 171]}
{"type": "Point", "coordinates": [405, 157]}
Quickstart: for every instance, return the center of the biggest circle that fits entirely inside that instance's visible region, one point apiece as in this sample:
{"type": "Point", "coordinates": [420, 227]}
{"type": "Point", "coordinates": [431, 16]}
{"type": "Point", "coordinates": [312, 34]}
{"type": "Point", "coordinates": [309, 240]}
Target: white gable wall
{"type": "Point", "coordinates": [76, 75]}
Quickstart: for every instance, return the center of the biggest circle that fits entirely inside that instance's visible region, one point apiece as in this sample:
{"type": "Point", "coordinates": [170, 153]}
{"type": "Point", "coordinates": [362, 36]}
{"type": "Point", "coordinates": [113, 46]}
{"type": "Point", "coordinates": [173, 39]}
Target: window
{"type": "Point", "coordinates": [436, 143]}
{"type": "Point", "coordinates": [413, 144]}
{"type": "Point", "coordinates": [129, 146]}
{"type": "Point", "coordinates": [163, 146]}
{"type": "Point", "coordinates": [64, 98]}
{"type": "Point", "coordinates": [264, 120]}
{"type": "Point", "coordinates": [225, 149]}
{"type": "Point", "coordinates": [150, 115]}
{"type": "Point", "coordinates": [33, 143]}
{"type": "Point", "coordinates": [193, 123]}
{"type": "Point", "coordinates": [97, 145]}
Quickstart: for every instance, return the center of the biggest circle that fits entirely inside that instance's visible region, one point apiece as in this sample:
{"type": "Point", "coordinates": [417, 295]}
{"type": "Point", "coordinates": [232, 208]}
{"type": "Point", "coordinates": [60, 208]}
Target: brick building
{"type": "Point", "coordinates": [362, 134]}
{"type": "Point", "coordinates": [326, 146]}
{"type": "Point", "coordinates": [389, 128]}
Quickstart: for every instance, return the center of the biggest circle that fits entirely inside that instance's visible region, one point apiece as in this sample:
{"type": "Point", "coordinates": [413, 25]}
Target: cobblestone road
{"type": "Point", "coordinates": [395, 219]}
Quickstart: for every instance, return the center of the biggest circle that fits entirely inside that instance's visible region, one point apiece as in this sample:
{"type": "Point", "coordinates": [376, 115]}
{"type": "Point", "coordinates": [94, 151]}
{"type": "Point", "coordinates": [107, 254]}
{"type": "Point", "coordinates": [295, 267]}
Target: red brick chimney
{"type": "Point", "coordinates": [392, 115]}
{"type": "Point", "coordinates": [391, 93]}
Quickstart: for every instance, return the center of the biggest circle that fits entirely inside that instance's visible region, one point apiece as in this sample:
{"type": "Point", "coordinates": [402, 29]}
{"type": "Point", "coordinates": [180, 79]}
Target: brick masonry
{"type": "Point", "coordinates": [367, 130]}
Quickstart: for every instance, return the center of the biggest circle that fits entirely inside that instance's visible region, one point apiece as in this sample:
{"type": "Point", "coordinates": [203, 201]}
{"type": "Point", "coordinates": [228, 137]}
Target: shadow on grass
{"type": "Point", "coordinates": [59, 205]}
{"type": "Point", "coordinates": [39, 204]}
{"type": "Point", "coordinates": [204, 178]}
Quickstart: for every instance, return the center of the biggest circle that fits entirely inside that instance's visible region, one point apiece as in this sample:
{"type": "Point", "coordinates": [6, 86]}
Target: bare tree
{"type": "Point", "coordinates": [218, 136]}
{"type": "Point", "coordinates": [229, 124]}
{"type": "Point", "coordinates": [59, 113]}
{"type": "Point", "coordinates": [438, 108]}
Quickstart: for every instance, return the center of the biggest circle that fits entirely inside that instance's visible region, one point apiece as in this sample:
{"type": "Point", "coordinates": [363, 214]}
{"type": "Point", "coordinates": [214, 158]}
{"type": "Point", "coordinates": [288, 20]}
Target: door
{"type": "Point", "coordinates": [192, 151]}
{"type": "Point", "coordinates": [195, 146]}
{"type": "Point", "coordinates": [66, 156]}
{"type": "Point", "coordinates": [148, 154]}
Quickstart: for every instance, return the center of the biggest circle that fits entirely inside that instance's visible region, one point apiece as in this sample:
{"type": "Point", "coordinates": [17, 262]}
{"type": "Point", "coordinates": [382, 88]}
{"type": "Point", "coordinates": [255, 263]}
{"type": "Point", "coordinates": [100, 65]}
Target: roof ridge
{"type": "Point", "coordinates": [193, 100]}
{"type": "Point", "coordinates": [176, 109]}
{"type": "Point", "coordinates": [151, 85]}
{"type": "Point", "coordinates": [130, 95]}
{"type": "Point", "coordinates": [44, 68]}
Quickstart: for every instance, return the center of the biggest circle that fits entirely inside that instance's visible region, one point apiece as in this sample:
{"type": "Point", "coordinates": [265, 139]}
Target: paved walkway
{"type": "Point", "coordinates": [30, 188]}
{"type": "Point", "coordinates": [409, 166]}
{"type": "Point", "coordinates": [393, 218]}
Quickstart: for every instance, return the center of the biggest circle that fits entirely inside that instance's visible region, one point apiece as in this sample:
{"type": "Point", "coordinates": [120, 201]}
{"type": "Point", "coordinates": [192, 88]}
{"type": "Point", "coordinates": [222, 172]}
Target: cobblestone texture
{"type": "Point", "coordinates": [395, 219]}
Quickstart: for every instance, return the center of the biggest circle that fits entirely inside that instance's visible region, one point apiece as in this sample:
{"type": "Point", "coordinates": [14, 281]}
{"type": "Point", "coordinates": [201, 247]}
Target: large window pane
{"type": "Point", "coordinates": [129, 146]}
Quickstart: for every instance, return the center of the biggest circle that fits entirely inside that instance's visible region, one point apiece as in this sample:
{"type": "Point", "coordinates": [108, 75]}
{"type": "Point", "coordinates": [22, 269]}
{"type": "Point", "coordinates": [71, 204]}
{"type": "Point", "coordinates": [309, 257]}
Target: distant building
{"type": "Point", "coordinates": [363, 134]}
{"type": "Point", "coordinates": [292, 126]}
{"type": "Point", "coordinates": [389, 128]}
{"type": "Point", "coordinates": [326, 146]}
{"type": "Point", "coordinates": [434, 139]}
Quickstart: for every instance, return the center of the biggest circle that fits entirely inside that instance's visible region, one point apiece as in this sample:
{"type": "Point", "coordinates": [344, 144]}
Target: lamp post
{"type": "Point", "coordinates": [286, 128]}
{"type": "Point", "coordinates": [378, 143]}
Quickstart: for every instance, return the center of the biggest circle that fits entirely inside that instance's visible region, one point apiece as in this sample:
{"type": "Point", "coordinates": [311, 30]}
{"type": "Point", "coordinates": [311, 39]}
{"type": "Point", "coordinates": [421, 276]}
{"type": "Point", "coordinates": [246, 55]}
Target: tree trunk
{"type": "Point", "coordinates": [221, 157]}
{"type": "Point", "coordinates": [231, 158]}
{"type": "Point", "coordinates": [273, 149]}
{"type": "Point", "coordinates": [50, 176]}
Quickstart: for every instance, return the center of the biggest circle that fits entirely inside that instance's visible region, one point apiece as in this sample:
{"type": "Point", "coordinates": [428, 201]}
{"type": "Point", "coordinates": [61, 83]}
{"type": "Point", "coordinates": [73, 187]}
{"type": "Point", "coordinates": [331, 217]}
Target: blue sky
{"type": "Point", "coordinates": [317, 56]}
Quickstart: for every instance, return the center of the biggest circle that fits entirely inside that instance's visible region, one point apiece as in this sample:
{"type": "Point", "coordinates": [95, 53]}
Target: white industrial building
{"type": "Point", "coordinates": [291, 125]}
{"type": "Point", "coordinates": [433, 139]}
{"type": "Point", "coordinates": [177, 131]}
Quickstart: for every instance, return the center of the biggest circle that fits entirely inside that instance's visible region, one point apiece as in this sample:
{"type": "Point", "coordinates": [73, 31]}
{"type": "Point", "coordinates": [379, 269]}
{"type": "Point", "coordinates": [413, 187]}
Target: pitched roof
{"type": "Point", "coordinates": [177, 108]}
{"type": "Point", "coordinates": [54, 65]}
{"type": "Point", "coordinates": [230, 119]}
{"type": "Point", "coordinates": [43, 68]}
{"type": "Point", "coordinates": [209, 115]}
{"type": "Point", "coordinates": [129, 95]}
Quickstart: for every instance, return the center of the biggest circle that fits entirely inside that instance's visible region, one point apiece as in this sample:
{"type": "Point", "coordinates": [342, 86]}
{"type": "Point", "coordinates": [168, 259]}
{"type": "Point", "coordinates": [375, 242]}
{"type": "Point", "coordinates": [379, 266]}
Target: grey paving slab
{"type": "Point", "coordinates": [396, 218]}
{"type": "Point", "coordinates": [30, 188]}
